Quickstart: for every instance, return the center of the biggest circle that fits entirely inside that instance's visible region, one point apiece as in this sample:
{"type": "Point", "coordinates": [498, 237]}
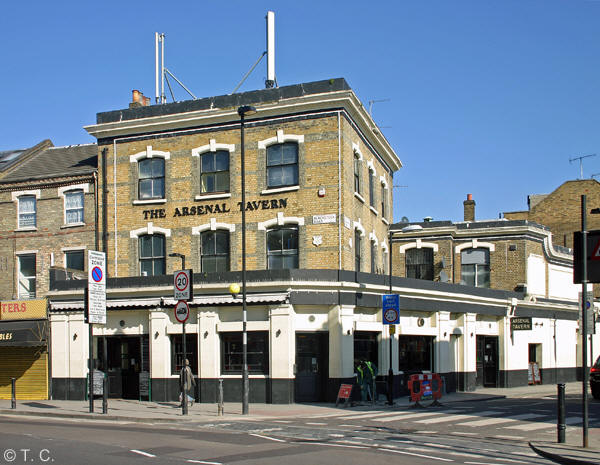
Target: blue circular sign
{"type": "Point", "coordinates": [97, 274]}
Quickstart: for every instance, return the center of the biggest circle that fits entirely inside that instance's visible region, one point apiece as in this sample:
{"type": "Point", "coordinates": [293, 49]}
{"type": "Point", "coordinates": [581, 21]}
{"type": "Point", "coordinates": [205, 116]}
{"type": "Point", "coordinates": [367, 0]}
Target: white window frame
{"type": "Point", "coordinates": [36, 193]}
{"type": "Point", "coordinates": [213, 146]}
{"type": "Point", "coordinates": [34, 277]}
{"type": "Point", "coordinates": [136, 158]}
{"type": "Point", "coordinates": [63, 192]}
{"type": "Point", "coordinates": [281, 138]}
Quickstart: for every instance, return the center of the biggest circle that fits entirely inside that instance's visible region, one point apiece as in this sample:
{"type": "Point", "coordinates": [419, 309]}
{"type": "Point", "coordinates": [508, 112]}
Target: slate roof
{"type": "Point", "coordinates": [56, 162]}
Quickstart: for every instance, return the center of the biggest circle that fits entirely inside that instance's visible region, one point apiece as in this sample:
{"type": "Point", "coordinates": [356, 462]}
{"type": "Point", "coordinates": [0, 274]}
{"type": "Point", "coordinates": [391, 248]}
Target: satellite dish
{"type": "Point", "coordinates": [444, 277]}
{"type": "Point", "coordinates": [404, 219]}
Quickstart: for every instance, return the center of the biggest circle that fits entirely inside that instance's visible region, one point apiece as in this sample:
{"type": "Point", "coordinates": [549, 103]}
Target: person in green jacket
{"type": "Point", "coordinates": [370, 370]}
{"type": "Point", "coordinates": [360, 378]}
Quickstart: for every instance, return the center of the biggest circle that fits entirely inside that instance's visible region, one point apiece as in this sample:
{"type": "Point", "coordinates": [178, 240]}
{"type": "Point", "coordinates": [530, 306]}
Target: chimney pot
{"type": "Point", "coordinates": [469, 196]}
{"type": "Point", "coordinates": [136, 96]}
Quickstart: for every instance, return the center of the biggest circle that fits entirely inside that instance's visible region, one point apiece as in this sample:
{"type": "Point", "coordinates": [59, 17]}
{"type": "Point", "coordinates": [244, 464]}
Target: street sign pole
{"type": "Point", "coordinates": [584, 282]}
{"type": "Point", "coordinates": [183, 292]}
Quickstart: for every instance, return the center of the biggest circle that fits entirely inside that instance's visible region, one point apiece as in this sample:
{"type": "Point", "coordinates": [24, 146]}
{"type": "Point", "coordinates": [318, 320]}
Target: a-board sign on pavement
{"type": "Point", "coordinates": [96, 287]}
{"type": "Point", "coordinates": [182, 285]}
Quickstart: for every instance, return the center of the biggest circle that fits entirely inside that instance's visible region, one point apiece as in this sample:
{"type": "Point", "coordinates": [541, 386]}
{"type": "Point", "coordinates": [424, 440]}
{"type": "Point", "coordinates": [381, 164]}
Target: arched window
{"type": "Point", "coordinates": [214, 254]}
{"type": "Point", "coordinates": [282, 248]}
{"type": "Point", "coordinates": [282, 165]}
{"type": "Point", "coordinates": [419, 263]}
{"type": "Point", "coordinates": [475, 267]}
{"type": "Point", "coordinates": [151, 178]}
{"type": "Point", "coordinates": [152, 254]}
{"type": "Point", "coordinates": [214, 171]}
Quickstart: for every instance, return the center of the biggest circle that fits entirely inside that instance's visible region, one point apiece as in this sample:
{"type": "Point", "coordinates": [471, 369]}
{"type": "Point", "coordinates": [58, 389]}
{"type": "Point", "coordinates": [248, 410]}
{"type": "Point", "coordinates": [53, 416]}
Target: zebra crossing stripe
{"type": "Point", "coordinates": [406, 416]}
{"type": "Point", "coordinates": [447, 418]}
{"type": "Point", "coordinates": [498, 420]}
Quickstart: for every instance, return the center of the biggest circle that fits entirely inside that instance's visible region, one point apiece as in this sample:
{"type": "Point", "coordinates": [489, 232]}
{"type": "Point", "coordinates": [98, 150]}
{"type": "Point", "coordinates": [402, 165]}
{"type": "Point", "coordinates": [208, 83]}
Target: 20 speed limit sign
{"type": "Point", "coordinates": [182, 311]}
{"type": "Point", "coordinates": [182, 285]}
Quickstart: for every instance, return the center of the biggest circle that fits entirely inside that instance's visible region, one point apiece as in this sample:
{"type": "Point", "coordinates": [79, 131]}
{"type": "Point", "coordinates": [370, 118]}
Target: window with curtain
{"type": "Point", "coordinates": [152, 254]}
{"type": "Point", "coordinates": [419, 263]}
{"type": "Point", "coordinates": [151, 179]}
{"type": "Point", "coordinates": [257, 352]}
{"type": "Point", "coordinates": [27, 273]}
{"type": "Point", "coordinates": [282, 165]}
{"type": "Point", "coordinates": [475, 267]}
{"type": "Point", "coordinates": [357, 246]}
{"type": "Point", "coordinates": [74, 207]}
{"type": "Point", "coordinates": [282, 248]}
{"type": "Point", "coordinates": [214, 254]}
{"type": "Point", "coordinates": [27, 211]}
{"type": "Point", "coordinates": [214, 172]}
{"type": "Point", "coordinates": [74, 260]}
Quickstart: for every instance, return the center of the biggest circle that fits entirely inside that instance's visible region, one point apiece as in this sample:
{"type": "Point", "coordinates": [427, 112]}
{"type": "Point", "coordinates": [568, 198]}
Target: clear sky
{"type": "Point", "coordinates": [484, 97]}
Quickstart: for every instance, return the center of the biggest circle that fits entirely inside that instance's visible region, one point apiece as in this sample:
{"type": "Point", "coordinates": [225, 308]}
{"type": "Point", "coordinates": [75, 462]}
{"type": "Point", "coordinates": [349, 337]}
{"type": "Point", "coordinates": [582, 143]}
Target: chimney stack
{"type": "Point", "coordinates": [138, 99]}
{"type": "Point", "coordinates": [469, 205]}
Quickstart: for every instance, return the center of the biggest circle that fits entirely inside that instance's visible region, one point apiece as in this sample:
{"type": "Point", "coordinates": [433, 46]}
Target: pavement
{"type": "Point", "coordinates": [125, 410]}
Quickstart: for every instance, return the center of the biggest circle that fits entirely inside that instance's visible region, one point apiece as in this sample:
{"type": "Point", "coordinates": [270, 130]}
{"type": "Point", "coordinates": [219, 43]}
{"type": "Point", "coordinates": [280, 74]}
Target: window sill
{"type": "Point", "coordinates": [359, 197]}
{"type": "Point", "coordinates": [27, 229]}
{"type": "Point", "coordinates": [374, 211]}
{"type": "Point", "coordinates": [250, 375]}
{"type": "Point", "coordinates": [72, 225]}
{"type": "Point", "coordinates": [280, 189]}
{"type": "Point", "coordinates": [224, 195]}
{"type": "Point", "coordinates": [385, 221]}
{"type": "Point", "coordinates": [149, 202]}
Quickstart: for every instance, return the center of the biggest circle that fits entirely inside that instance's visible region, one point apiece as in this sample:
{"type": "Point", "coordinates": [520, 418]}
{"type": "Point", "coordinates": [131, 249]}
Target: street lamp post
{"type": "Point", "coordinates": [244, 111]}
{"type": "Point", "coordinates": [390, 380]}
{"type": "Point", "coordinates": [184, 406]}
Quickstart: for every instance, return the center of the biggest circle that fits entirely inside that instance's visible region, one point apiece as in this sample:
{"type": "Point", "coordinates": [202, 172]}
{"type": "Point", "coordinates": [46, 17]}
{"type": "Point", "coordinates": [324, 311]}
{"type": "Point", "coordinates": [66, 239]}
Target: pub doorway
{"type": "Point", "coordinates": [127, 359]}
{"type": "Point", "coordinates": [487, 361]}
{"type": "Point", "coordinates": [312, 368]}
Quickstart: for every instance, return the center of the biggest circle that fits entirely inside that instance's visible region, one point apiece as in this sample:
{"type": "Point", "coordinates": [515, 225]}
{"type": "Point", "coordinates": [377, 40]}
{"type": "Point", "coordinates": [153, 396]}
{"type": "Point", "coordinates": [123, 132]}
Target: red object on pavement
{"type": "Point", "coordinates": [345, 391]}
{"type": "Point", "coordinates": [425, 385]}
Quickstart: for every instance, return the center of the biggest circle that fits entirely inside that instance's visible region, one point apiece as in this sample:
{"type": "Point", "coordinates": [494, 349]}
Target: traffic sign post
{"type": "Point", "coordinates": [95, 308]}
{"type": "Point", "coordinates": [390, 306]}
{"type": "Point", "coordinates": [183, 291]}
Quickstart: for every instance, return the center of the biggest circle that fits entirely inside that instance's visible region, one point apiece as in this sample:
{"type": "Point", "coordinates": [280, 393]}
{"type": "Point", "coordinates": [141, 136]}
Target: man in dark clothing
{"type": "Point", "coordinates": [186, 381]}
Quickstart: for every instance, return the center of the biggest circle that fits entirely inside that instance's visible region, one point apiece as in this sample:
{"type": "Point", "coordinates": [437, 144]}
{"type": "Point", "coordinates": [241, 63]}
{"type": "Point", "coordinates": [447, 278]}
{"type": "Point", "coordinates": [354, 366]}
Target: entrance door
{"type": "Point", "coordinates": [124, 363]}
{"type": "Point", "coordinates": [487, 361]}
{"type": "Point", "coordinates": [311, 367]}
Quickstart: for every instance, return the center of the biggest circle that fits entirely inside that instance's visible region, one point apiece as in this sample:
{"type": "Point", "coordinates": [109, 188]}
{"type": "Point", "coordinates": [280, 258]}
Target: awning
{"type": "Point", "coordinates": [280, 297]}
{"type": "Point", "coordinates": [23, 333]}
{"type": "Point", "coordinates": [116, 303]}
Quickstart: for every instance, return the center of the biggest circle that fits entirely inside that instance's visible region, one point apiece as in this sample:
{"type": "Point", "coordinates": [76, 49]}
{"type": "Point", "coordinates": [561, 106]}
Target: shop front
{"type": "Point", "coordinates": [24, 349]}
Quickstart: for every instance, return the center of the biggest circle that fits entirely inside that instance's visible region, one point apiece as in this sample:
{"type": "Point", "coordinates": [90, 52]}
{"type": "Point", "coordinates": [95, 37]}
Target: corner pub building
{"type": "Point", "coordinates": [318, 176]}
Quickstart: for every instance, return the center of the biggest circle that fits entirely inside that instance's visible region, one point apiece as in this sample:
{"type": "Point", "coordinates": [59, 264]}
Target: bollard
{"type": "Point", "coordinates": [220, 406]}
{"type": "Point", "coordinates": [105, 394]}
{"type": "Point", "coordinates": [561, 427]}
{"type": "Point", "coordinates": [13, 398]}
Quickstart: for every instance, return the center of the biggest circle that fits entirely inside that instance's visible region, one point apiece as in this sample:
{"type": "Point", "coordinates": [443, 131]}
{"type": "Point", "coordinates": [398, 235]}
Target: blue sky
{"type": "Point", "coordinates": [485, 97]}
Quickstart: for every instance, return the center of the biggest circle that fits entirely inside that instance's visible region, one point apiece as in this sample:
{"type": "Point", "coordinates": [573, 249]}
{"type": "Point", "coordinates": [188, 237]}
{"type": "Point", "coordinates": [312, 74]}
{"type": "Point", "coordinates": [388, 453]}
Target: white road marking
{"type": "Point", "coordinates": [415, 455]}
{"type": "Point", "coordinates": [282, 421]}
{"type": "Point", "coordinates": [496, 420]}
{"type": "Point", "coordinates": [266, 437]}
{"type": "Point", "coordinates": [446, 418]}
{"type": "Point", "coordinates": [315, 423]}
{"type": "Point", "coordinates": [511, 460]}
{"type": "Point", "coordinates": [339, 445]}
{"type": "Point", "coordinates": [141, 452]}
{"type": "Point", "coordinates": [460, 433]}
{"type": "Point", "coordinates": [366, 415]}
{"type": "Point", "coordinates": [442, 446]}
{"type": "Point", "coordinates": [335, 435]}
{"type": "Point", "coordinates": [202, 461]}
{"type": "Point", "coordinates": [405, 416]}
{"type": "Point", "coordinates": [518, 438]}
{"type": "Point", "coordinates": [466, 454]}
{"type": "Point", "coordinates": [542, 425]}
{"type": "Point", "coordinates": [351, 426]}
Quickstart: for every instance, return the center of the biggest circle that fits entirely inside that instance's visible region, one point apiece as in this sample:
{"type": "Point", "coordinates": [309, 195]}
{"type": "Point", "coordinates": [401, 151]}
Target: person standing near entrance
{"type": "Point", "coordinates": [186, 381]}
{"type": "Point", "coordinates": [370, 373]}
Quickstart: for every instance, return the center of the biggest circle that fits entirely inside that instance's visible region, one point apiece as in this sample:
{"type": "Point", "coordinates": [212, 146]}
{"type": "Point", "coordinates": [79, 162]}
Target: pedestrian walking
{"type": "Point", "coordinates": [186, 381]}
{"type": "Point", "coordinates": [360, 379]}
{"type": "Point", "coordinates": [370, 370]}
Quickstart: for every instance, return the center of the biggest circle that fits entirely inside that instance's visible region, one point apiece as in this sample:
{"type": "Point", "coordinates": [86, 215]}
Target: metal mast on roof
{"type": "Point", "coordinates": [161, 71]}
{"type": "Point", "coordinates": [581, 163]}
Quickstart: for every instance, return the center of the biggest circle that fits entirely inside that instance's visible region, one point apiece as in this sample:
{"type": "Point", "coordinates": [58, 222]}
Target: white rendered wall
{"type": "Point", "coordinates": [536, 275]}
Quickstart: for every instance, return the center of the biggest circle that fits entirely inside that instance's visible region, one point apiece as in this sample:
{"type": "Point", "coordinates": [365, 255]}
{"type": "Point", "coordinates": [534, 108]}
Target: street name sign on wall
{"type": "Point", "coordinates": [520, 323]}
{"type": "Point", "coordinates": [96, 287]}
{"type": "Point", "coordinates": [592, 259]}
{"type": "Point", "coordinates": [390, 306]}
{"type": "Point", "coordinates": [182, 285]}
